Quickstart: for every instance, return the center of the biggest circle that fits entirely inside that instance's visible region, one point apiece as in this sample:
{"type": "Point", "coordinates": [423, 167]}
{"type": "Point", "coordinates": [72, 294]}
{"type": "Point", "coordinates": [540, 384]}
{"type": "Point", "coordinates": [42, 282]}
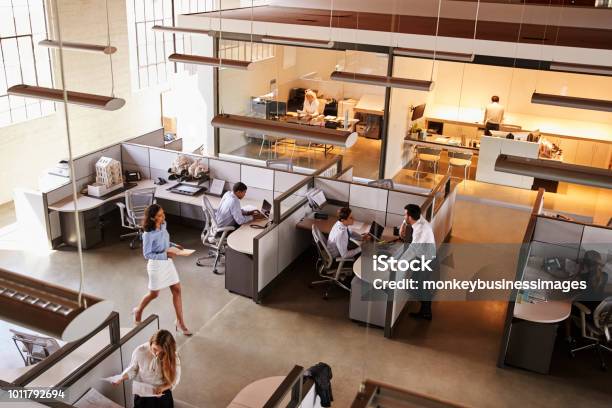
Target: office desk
{"type": "Point", "coordinates": [325, 226]}
{"type": "Point", "coordinates": [534, 330]}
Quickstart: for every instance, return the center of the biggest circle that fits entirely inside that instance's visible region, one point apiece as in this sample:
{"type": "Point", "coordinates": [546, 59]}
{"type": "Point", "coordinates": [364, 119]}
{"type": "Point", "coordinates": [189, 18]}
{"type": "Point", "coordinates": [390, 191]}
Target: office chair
{"type": "Point", "coordinates": [281, 164]}
{"type": "Point", "coordinates": [32, 348]}
{"type": "Point", "coordinates": [597, 332]}
{"type": "Point", "coordinates": [428, 155]}
{"type": "Point", "coordinates": [458, 159]}
{"type": "Point", "coordinates": [329, 268]}
{"type": "Point", "coordinates": [213, 236]}
{"type": "Point", "coordinates": [383, 183]}
{"type": "Point", "coordinates": [132, 212]}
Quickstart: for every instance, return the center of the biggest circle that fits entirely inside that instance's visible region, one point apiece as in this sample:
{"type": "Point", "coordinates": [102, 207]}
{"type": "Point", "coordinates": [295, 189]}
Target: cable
{"type": "Point", "coordinates": [70, 159]}
{"type": "Point", "coordinates": [433, 64]}
{"type": "Point", "coordinates": [110, 55]}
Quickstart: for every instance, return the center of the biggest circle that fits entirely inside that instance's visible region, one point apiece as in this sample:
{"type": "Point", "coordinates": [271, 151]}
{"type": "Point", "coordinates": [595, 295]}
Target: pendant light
{"type": "Point", "coordinates": [297, 41]}
{"type": "Point", "coordinates": [77, 98]}
{"type": "Point", "coordinates": [572, 102]}
{"type": "Point", "coordinates": [184, 30]}
{"type": "Point", "coordinates": [554, 171]}
{"type": "Point", "coordinates": [443, 55]}
{"type": "Point", "coordinates": [104, 49]}
{"type": "Point", "coordinates": [313, 134]}
{"type": "Point", "coordinates": [581, 68]}
{"type": "Point", "coordinates": [215, 62]}
{"type": "Point", "coordinates": [48, 309]}
{"type": "Point", "coordinates": [384, 80]}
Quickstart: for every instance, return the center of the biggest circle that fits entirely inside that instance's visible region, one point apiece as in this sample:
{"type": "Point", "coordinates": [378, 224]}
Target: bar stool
{"type": "Point", "coordinates": [428, 155]}
{"type": "Point", "coordinates": [458, 159]}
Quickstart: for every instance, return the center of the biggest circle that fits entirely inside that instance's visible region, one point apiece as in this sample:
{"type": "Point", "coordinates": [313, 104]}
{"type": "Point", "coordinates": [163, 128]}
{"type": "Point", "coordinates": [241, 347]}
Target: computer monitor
{"type": "Point", "coordinates": [275, 109]}
{"type": "Point", "coordinates": [316, 198]}
{"type": "Point", "coordinates": [418, 112]}
{"type": "Point", "coordinates": [266, 208]}
{"type": "Point", "coordinates": [376, 231]}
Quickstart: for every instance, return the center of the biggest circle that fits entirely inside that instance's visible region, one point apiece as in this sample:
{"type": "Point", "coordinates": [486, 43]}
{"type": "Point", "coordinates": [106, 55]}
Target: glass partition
{"type": "Point", "coordinates": [275, 88]}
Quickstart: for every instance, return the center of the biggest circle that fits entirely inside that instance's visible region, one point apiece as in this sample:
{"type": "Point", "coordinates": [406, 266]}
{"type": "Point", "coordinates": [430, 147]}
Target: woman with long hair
{"type": "Point", "coordinates": [160, 267]}
{"type": "Point", "coordinates": [157, 364]}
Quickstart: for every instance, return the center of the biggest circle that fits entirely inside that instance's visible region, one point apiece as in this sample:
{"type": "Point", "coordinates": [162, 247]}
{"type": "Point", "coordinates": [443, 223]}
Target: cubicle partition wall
{"type": "Point", "coordinates": [438, 209]}
{"type": "Point", "coordinates": [81, 365]}
{"type": "Point", "coordinates": [548, 237]}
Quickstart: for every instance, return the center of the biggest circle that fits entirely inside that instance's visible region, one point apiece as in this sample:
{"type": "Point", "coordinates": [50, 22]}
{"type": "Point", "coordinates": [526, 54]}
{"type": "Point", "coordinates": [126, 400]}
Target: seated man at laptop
{"type": "Point", "coordinates": [338, 243]}
{"type": "Point", "coordinates": [230, 213]}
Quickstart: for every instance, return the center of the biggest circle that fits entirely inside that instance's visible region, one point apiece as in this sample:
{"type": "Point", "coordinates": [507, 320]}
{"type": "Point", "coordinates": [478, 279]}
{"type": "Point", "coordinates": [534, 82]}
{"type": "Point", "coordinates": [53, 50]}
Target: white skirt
{"type": "Point", "coordinates": [162, 274]}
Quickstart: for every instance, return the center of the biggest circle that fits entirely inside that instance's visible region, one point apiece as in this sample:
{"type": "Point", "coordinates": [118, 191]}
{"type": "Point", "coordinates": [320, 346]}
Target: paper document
{"type": "Point", "coordinates": [143, 389]}
{"type": "Point", "coordinates": [181, 252]}
{"type": "Point", "coordinates": [112, 379]}
{"type": "Point", "coordinates": [93, 399]}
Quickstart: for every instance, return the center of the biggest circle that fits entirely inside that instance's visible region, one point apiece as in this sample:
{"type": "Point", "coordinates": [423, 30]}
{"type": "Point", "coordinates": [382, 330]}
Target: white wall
{"type": "Point", "coordinates": [29, 148]}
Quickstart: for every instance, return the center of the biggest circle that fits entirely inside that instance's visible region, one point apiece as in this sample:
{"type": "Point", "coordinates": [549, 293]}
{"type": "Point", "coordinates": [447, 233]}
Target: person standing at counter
{"type": "Point", "coordinates": [160, 267]}
{"type": "Point", "coordinates": [338, 242]}
{"type": "Point", "coordinates": [423, 243]}
{"type": "Point", "coordinates": [155, 364]}
{"type": "Point", "coordinates": [311, 104]}
{"type": "Point", "coordinates": [494, 114]}
{"type": "Point", "coordinates": [230, 213]}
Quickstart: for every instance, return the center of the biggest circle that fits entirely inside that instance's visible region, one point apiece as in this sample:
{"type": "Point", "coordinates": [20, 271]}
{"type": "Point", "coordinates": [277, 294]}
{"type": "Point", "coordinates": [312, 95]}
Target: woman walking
{"type": "Point", "coordinates": [157, 364]}
{"type": "Point", "coordinates": [160, 267]}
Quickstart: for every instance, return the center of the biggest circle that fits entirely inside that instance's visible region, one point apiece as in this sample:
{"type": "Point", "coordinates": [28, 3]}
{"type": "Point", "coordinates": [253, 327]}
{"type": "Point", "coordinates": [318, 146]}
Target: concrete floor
{"type": "Point", "coordinates": [238, 341]}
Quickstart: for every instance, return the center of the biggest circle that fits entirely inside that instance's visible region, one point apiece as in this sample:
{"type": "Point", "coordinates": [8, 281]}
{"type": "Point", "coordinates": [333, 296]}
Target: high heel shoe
{"type": "Point", "coordinates": [184, 331]}
{"type": "Point", "coordinates": [135, 314]}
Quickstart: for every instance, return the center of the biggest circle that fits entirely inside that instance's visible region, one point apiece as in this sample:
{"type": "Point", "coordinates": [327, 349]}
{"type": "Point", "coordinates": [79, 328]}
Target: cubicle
{"type": "Point", "coordinates": [49, 213]}
{"type": "Point", "coordinates": [532, 316]}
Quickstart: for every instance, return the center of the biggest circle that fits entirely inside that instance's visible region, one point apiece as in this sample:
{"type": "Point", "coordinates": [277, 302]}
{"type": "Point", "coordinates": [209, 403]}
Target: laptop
{"type": "Point", "coordinates": [266, 208]}
{"type": "Point", "coordinates": [376, 231]}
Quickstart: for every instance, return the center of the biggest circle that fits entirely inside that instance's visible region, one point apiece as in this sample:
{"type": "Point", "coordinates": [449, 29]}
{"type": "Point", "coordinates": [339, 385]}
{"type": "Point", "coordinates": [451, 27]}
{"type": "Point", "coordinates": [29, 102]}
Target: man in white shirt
{"type": "Point", "coordinates": [494, 114]}
{"type": "Point", "coordinates": [230, 213]}
{"type": "Point", "coordinates": [340, 235]}
{"type": "Point", "coordinates": [311, 104]}
{"type": "Point", "coordinates": [423, 243]}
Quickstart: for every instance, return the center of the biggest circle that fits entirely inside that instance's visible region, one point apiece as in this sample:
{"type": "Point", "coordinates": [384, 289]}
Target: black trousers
{"type": "Point", "coordinates": [492, 126]}
{"type": "Point", "coordinates": [165, 401]}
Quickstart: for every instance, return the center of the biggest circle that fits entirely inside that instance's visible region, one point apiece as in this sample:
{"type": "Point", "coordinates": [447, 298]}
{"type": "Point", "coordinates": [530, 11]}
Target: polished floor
{"type": "Point", "coordinates": [364, 155]}
{"type": "Point", "coordinates": [238, 341]}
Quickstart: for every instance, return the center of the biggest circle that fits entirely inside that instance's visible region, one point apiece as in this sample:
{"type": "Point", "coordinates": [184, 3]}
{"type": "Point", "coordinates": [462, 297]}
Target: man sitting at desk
{"type": "Point", "coordinates": [230, 213]}
{"type": "Point", "coordinates": [423, 243]}
{"type": "Point", "coordinates": [338, 240]}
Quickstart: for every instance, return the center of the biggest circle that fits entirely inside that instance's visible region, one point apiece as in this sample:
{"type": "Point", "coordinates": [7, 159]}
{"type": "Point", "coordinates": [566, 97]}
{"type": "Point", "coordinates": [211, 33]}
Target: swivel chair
{"type": "Point", "coordinates": [32, 348]}
{"type": "Point", "coordinates": [132, 212]}
{"type": "Point", "coordinates": [331, 269]}
{"type": "Point", "coordinates": [213, 236]}
{"type": "Point", "coordinates": [596, 333]}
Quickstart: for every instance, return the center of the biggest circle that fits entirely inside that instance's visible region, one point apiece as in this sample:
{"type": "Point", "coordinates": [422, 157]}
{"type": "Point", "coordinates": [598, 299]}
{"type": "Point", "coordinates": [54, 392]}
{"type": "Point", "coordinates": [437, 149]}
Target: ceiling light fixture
{"type": "Point", "coordinates": [297, 41]}
{"type": "Point", "coordinates": [580, 68]}
{"type": "Point", "coordinates": [77, 98]}
{"type": "Point", "coordinates": [443, 55]}
{"type": "Point", "coordinates": [48, 309]}
{"type": "Point", "coordinates": [553, 170]}
{"type": "Point", "coordinates": [211, 61]}
{"type": "Point", "coordinates": [313, 134]}
{"type": "Point", "coordinates": [380, 80]}
{"type": "Point", "coordinates": [105, 49]}
{"type": "Point", "coordinates": [572, 102]}
{"type": "Point", "coordinates": [184, 30]}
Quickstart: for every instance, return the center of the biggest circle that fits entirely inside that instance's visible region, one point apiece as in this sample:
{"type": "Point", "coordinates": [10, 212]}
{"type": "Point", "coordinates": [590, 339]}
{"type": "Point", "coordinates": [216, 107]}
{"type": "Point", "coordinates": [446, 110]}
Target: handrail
{"type": "Point", "coordinates": [365, 185]}
{"type": "Point", "coordinates": [586, 224]}
{"type": "Point", "coordinates": [374, 392]}
{"type": "Point", "coordinates": [112, 321]}
{"type": "Point", "coordinates": [428, 206]}
{"type": "Point", "coordinates": [292, 383]}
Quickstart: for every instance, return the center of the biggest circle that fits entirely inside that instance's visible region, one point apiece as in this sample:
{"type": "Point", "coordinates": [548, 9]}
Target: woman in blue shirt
{"type": "Point", "coordinates": [160, 267]}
